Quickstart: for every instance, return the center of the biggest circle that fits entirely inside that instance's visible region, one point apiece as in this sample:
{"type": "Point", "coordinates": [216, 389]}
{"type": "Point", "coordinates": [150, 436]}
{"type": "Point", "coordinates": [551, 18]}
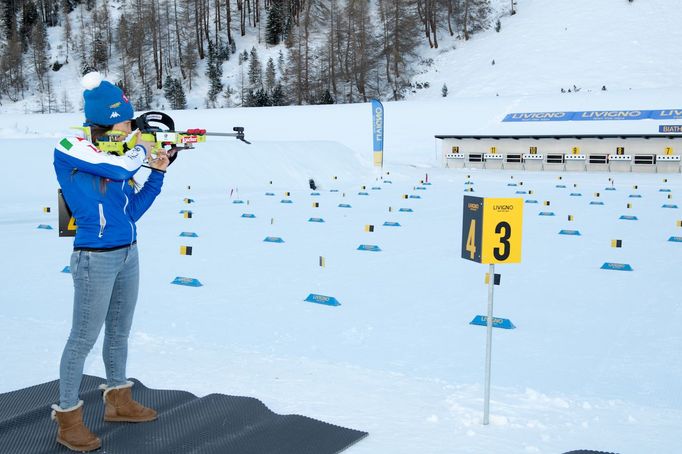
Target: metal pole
{"type": "Point", "coordinates": [489, 344]}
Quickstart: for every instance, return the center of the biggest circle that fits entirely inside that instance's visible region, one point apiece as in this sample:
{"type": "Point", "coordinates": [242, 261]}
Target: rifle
{"type": "Point", "coordinates": [159, 127]}
{"type": "Point", "coordinates": [151, 125]}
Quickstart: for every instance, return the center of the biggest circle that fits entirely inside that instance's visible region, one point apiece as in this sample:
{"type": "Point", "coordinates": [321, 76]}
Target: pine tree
{"type": "Point", "coordinates": [444, 91]}
{"type": "Point", "coordinates": [326, 98]}
{"type": "Point", "coordinates": [278, 98]}
{"type": "Point", "coordinates": [270, 75]}
{"type": "Point", "coordinates": [255, 72]}
{"type": "Point", "coordinates": [100, 51]}
{"type": "Point", "coordinates": [168, 89]}
{"type": "Point", "coordinates": [179, 99]}
{"type": "Point", "coordinates": [214, 71]}
{"type": "Point", "coordinates": [274, 29]}
{"type": "Point", "coordinates": [227, 94]}
{"type": "Point", "coordinates": [261, 98]}
{"type": "Point", "coordinates": [39, 50]}
{"type": "Point", "coordinates": [29, 17]}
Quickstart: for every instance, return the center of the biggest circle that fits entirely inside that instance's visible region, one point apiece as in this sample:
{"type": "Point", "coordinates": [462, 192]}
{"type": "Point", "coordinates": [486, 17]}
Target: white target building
{"type": "Point", "coordinates": [614, 140]}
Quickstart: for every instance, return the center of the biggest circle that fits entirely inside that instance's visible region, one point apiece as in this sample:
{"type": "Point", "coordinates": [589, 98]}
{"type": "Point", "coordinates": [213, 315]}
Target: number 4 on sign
{"type": "Point", "coordinates": [471, 240]}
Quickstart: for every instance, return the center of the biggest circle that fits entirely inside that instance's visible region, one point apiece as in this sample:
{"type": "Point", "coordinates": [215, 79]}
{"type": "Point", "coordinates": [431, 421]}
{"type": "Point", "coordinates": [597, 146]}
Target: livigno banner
{"type": "Point", "coordinates": [597, 115]}
{"type": "Point", "coordinates": [378, 132]}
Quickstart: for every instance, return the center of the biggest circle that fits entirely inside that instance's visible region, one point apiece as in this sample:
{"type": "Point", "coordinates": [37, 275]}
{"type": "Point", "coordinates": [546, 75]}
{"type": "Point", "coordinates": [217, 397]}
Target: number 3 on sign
{"type": "Point", "coordinates": [491, 230]}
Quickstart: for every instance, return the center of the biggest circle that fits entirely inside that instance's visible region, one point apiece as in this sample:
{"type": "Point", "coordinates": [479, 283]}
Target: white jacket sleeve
{"type": "Point", "coordinates": [77, 153]}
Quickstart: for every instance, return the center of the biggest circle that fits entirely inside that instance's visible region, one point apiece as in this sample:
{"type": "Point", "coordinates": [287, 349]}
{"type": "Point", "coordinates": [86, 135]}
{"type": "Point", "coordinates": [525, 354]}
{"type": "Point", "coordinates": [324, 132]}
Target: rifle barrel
{"type": "Point", "coordinates": [222, 134]}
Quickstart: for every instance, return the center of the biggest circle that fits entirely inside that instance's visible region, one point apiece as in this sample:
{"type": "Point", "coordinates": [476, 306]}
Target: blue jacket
{"type": "Point", "coordinates": [98, 188]}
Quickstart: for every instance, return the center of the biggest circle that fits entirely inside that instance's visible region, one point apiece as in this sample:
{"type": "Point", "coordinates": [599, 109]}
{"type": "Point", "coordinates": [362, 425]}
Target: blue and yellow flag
{"type": "Point", "coordinates": [378, 132]}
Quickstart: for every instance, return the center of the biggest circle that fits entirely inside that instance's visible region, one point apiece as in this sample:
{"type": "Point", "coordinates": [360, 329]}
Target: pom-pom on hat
{"type": "Point", "coordinates": [105, 104]}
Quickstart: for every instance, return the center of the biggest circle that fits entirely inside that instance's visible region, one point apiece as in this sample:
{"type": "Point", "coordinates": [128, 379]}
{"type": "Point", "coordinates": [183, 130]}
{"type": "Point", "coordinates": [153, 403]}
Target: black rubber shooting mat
{"type": "Point", "coordinates": [214, 424]}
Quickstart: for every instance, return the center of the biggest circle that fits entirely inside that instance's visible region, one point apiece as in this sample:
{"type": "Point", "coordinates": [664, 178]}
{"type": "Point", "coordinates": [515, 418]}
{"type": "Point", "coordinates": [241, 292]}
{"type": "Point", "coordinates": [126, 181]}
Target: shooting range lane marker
{"type": "Point", "coordinates": [66, 269]}
{"type": "Point", "coordinates": [315, 220]}
{"type": "Point", "coordinates": [273, 239]}
{"type": "Point", "coordinates": [248, 215]}
{"type": "Point", "coordinates": [189, 234]}
{"type": "Point", "coordinates": [669, 206]}
{"type": "Point", "coordinates": [44, 227]}
{"type": "Point", "coordinates": [626, 217]}
{"type": "Point", "coordinates": [322, 299]}
{"type": "Point", "coordinates": [185, 250]}
{"type": "Point", "coordinates": [369, 247]}
{"type": "Point", "coordinates": [482, 320]}
{"type": "Point", "coordinates": [616, 266]}
{"type": "Point", "coordinates": [187, 281]}
{"type": "Point", "coordinates": [675, 239]}
{"type": "Point", "coordinates": [569, 232]}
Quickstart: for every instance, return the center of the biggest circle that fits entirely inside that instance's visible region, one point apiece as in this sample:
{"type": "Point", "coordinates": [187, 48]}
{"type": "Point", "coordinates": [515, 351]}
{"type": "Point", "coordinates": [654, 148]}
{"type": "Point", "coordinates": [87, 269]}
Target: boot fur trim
{"type": "Point", "coordinates": [106, 389]}
{"type": "Point", "coordinates": [56, 408]}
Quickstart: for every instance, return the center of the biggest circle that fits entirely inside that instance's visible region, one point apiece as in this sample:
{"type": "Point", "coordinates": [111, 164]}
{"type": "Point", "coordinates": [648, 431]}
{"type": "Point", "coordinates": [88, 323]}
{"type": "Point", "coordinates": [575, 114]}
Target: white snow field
{"type": "Point", "coordinates": [595, 361]}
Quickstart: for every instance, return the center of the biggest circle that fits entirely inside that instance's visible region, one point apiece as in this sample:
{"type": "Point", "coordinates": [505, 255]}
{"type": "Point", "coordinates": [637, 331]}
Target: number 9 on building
{"type": "Point", "coordinates": [491, 230]}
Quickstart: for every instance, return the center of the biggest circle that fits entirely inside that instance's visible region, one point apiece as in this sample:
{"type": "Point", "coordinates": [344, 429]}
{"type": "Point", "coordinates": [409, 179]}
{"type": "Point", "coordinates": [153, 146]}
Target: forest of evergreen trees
{"type": "Point", "coordinates": [331, 51]}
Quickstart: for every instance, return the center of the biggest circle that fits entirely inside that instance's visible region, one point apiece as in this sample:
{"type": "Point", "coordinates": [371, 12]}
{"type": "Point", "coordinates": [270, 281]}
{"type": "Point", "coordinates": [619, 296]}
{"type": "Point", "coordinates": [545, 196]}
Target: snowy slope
{"type": "Point", "coordinates": [554, 44]}
{"type": "Point", "coordinates": [546, 46]}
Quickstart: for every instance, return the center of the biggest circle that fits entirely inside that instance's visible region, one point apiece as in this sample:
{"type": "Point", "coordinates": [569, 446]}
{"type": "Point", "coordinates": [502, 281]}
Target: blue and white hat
{"type": "Point", "coordinates": [105, 104]}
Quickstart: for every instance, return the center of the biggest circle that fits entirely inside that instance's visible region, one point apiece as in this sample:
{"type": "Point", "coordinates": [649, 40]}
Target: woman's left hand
{"type": "Point", "coordinates": [161, 161]}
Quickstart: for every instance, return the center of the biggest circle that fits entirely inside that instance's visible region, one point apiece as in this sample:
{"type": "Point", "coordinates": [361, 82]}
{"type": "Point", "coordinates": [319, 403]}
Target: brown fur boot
{"type": "Point", "coordinates": [72, 433]}
{"type": "Point", "coordinates": [120, 406]}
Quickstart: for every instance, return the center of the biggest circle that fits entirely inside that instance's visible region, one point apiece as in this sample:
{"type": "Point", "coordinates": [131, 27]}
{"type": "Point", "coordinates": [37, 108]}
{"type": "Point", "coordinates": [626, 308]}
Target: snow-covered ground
{"type": "Point", "coordinates": [595, 361]}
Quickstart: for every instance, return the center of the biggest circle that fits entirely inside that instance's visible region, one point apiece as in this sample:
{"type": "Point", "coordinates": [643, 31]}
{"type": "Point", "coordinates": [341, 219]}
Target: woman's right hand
{"type": "Point", "coordinates": [147, 145]}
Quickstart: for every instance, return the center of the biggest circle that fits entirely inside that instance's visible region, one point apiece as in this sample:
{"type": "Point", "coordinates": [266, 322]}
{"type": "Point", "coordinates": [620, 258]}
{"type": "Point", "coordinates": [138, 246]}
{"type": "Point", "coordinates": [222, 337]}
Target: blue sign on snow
{"type": "Point", "coordinates": [616, 266]}
{"type": "Point", "coordinates": [321, 299]}
{"type": "Point", "coordinates": [503, 323]}
{"type": "Point", "coordinates": [188, 281]}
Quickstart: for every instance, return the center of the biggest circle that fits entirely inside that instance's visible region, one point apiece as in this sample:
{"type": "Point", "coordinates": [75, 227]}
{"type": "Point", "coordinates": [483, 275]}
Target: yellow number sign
{"type": "Point", "coordinates": [492, 230]}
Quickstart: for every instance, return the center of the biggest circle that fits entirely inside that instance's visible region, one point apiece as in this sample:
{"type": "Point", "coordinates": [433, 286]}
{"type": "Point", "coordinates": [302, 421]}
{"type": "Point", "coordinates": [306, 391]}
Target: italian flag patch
{"type": "Point", "coordinates": [66, 144]}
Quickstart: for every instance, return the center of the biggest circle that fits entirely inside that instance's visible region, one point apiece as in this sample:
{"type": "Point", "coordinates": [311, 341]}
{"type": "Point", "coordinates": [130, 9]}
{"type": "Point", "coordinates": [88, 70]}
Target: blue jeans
{"type": "Point", "coordinates": [105, 293]}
